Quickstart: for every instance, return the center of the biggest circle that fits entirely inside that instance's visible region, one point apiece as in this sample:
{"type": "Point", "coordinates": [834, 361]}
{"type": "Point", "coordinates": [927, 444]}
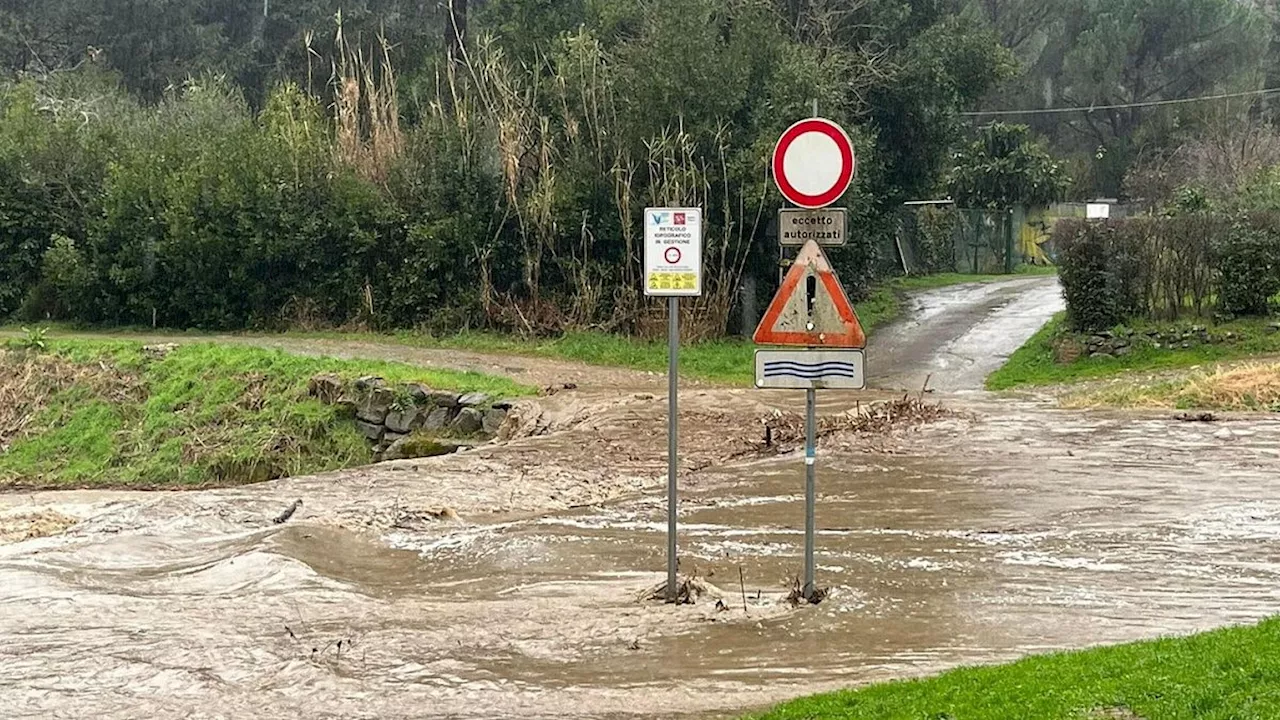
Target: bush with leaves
{"type": "Point", "coordinates": [1249, 264]}
{"type": "Point", "coordinates": [936, 228]}
{"type": "Point", "coordinates": [1162, 268]}
{"type": "Point", "coordinates": [66, 288]}
{"type": "Point", "coordinates": [1096, 266]}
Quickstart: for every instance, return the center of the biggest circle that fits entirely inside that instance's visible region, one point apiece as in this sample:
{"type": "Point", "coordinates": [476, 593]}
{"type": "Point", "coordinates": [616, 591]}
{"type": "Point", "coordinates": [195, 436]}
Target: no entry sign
{"type": "Point", "coordinates": [813, 163]}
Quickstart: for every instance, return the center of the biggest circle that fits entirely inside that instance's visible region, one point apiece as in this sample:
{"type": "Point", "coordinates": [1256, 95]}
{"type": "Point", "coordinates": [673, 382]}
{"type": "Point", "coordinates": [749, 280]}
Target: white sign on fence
{"type": "Point", "coordinates": [673, 252]}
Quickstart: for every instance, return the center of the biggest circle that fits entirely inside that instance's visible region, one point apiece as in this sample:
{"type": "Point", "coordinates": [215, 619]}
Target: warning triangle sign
{"type": "Point", "coordinates": [811, 308]}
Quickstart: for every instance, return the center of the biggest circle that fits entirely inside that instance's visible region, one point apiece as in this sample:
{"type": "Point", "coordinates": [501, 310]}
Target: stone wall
{"type": "Point", "coordinates": [1124, 341]}
{"type": "Point", "coordinates": [390, 417]}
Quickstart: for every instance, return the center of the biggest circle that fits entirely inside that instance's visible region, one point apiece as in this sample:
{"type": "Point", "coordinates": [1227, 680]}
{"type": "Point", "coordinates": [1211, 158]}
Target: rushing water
{"type": "Point", "coordinates": [1019, 530]}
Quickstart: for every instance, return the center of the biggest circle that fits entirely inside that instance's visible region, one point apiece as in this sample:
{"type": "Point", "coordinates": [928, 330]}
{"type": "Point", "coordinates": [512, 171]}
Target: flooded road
{"type": "Point", "coordinates": [507, 582]}
{"type": "Point", "coordinates": [958, 335]}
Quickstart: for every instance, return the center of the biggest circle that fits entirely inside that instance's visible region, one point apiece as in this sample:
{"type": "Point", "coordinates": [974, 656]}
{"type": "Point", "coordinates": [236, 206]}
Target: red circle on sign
{"type": "Point", "coordinates": [848, 164]}
{"type": "Point", "coordinates": [668, 255]}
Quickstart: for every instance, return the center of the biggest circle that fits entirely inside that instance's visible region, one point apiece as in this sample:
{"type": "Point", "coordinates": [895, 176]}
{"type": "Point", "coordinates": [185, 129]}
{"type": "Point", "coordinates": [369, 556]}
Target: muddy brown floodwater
{"type": "Point", "coordinates": [506, 582]}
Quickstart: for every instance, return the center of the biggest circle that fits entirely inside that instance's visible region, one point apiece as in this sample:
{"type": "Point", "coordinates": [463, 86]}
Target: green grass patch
{"type": "Point", "coordinates": [728, 361]}
{"type": "Point", "coordinates": [1035, 363]}
{"type": "Point", "coordinates": [204, 414]}
{"type": "Point", "coordinates": [1221, 675]}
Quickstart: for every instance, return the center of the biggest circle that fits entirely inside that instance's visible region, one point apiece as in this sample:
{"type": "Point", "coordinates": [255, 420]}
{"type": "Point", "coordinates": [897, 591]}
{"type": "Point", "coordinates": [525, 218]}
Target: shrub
{"type": "Point", "coordinates": [66, 284]}
{"type": "Point", "coordinates": [1094, 289]}
{"type": "Point", "coordinates": [1249, 260]}
{"type": "Point", "coordinates": [1162, 268]}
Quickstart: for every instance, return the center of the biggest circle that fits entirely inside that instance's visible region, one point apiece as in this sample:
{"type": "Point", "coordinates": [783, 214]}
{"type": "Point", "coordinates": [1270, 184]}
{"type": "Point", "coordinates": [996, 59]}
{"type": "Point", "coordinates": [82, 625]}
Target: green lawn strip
{"type": "Point", "coordinates": [1034, 363]}
{"type": "Point", "coordinates": [205, 414]}
{"type": "Point", "coordinates": [1220, 675]}
{"type": "Point", "coordinates": [727, 361]}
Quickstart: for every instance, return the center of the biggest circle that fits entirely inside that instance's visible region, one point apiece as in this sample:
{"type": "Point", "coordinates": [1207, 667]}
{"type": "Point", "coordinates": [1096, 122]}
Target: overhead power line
{"type": "Point", "coordinates": [1121, 106]}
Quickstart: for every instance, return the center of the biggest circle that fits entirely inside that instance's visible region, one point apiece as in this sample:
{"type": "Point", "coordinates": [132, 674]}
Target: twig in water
{"type": "Point", "coordinates": [925, 388]}
{"type": "Point", "coordinates": [283, 517]}
{"type": "Point", "coordinates": [742, 583]}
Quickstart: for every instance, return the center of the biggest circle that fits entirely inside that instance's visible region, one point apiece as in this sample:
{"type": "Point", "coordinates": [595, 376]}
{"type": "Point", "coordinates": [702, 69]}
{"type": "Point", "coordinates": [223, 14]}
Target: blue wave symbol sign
{"type": "Point", "coordinates": [809, 371]}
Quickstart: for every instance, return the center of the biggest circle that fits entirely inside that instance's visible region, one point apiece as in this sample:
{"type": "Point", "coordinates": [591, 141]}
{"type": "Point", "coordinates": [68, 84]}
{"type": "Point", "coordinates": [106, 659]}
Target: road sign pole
{"type": "Point", "coordinates": [810, 490]}
{"type": "Point", "coordinates": [810, 468]}
{"type": "Point", "coordinates": [673, 422]}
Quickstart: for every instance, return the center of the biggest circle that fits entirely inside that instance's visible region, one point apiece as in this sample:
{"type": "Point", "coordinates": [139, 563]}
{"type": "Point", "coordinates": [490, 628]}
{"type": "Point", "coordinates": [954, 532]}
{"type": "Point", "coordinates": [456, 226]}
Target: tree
{"type": "Point", "coordinates": [1135, 53]}
{"type": "Point", "coordinates": [945, 68]}
{"type": "Point", "coordinates": [1003, 168]}
{"type": "Point", "coordinates": [1018, 23]}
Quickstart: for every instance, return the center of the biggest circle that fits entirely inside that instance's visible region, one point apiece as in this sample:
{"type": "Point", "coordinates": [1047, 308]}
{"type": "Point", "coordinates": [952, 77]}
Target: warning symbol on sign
{"type": "Point", "coordinates": [811, 308]}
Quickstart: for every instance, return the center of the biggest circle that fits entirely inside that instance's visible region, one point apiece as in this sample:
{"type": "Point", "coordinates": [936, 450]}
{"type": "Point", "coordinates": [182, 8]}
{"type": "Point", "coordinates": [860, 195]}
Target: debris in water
{"type": "Point", "coordinates": [283, 517]}
{"type": "Point", "coordinates": [16, 527]}
{"type": "Point", "coordinates": [553, 389]}
{"type": "Point", "coordinates": [689, 589]}
{"type": "Point", "coordinates": [422, 519]}
{"type": "Point", "coordinates": [783, 432]}
{"type": "Point", "coordinates": [1196, 417]}
{"type": "Point", "coordinates": [796, 596]}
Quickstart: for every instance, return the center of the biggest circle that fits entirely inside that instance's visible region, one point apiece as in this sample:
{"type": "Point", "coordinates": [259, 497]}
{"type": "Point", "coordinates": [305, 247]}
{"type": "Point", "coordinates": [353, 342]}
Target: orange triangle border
{"type": "Point", "coordinates": [852, 335]}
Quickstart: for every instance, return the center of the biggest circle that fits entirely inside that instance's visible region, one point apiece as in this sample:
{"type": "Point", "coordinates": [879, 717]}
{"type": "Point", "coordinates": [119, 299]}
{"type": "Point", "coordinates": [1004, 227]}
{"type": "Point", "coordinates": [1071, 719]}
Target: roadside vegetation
{"type": "Point", "coordinates": [726, 361]}
{"type": "Point", "coordinates": [1057, 355]}
{"type": "Point", "coordinates": [76, 413]}
{"type": "Point", "coordinates": [1232, 673]}
{"type": "Point", "coordinates": [1248, 386]}
{"type": "Point", "coordinates": [1193, 289]}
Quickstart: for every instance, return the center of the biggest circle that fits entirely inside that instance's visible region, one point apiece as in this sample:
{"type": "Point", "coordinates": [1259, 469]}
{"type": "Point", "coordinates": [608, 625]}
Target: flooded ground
{"type": "Point", "coordinates": [507, 582]}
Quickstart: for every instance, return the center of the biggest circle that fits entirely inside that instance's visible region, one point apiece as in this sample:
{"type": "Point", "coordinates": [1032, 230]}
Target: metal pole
{"type": "Point", "coordinates": [810, 484]}
{"type": "Point", "coordinates": [810, 489]}
{"type": "Point", "coordinates": [673, 348]}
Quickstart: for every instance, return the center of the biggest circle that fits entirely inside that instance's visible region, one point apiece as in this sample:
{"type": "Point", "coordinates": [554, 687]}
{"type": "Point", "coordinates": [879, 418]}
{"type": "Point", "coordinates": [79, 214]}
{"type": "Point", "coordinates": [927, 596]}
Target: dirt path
{"type": "Point", "coordinates": [505, 582]}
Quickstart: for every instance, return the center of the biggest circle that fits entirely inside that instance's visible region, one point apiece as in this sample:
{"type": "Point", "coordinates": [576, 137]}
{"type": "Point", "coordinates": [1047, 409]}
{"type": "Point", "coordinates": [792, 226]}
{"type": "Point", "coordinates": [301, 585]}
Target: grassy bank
{"type": "Point", "coordinates": [94, 413]}
{"type": "Point", "coordinates": [727, 361]}
{"type": "Point", "coordinates": [1248, 386]}
{"type": "Point", "coordinates": [1037, 361]}
{"type": "Point", "coordinates": [1233, 673]}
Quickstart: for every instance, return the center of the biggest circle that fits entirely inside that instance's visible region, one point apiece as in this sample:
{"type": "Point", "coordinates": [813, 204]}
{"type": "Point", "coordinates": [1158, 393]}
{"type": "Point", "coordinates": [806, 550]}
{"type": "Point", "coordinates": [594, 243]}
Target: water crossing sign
{"type": "Point", "coordinates": [811, 309]}
{"type": "Point", "coordinates": [673, 252]}
{"type": "Point", "coordinates": [811, 369]}
{"type": "Point", "coordinates": [813, 163]}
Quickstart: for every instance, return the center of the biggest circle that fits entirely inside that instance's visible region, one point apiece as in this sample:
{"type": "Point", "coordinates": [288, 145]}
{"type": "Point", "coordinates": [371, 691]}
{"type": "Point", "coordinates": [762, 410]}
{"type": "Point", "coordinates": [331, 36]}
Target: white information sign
{"type": "Point", "coordinates": [673, 252]}
{"type": "Point", "coordinates": [811, 369]}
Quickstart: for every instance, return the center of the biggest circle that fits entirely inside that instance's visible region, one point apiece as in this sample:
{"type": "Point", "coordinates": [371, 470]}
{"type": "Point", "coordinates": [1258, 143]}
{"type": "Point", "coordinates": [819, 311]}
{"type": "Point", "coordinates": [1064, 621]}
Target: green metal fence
{"type": "Point", "coordinates": [938, 237]}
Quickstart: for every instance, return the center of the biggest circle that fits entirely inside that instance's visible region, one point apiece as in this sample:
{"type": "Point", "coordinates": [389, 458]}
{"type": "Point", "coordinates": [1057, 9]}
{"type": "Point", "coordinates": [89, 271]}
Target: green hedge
{"type": "Point", "coordinates": [202, 213]}
{"type": "Point", "coordinates": [1117, 271]}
